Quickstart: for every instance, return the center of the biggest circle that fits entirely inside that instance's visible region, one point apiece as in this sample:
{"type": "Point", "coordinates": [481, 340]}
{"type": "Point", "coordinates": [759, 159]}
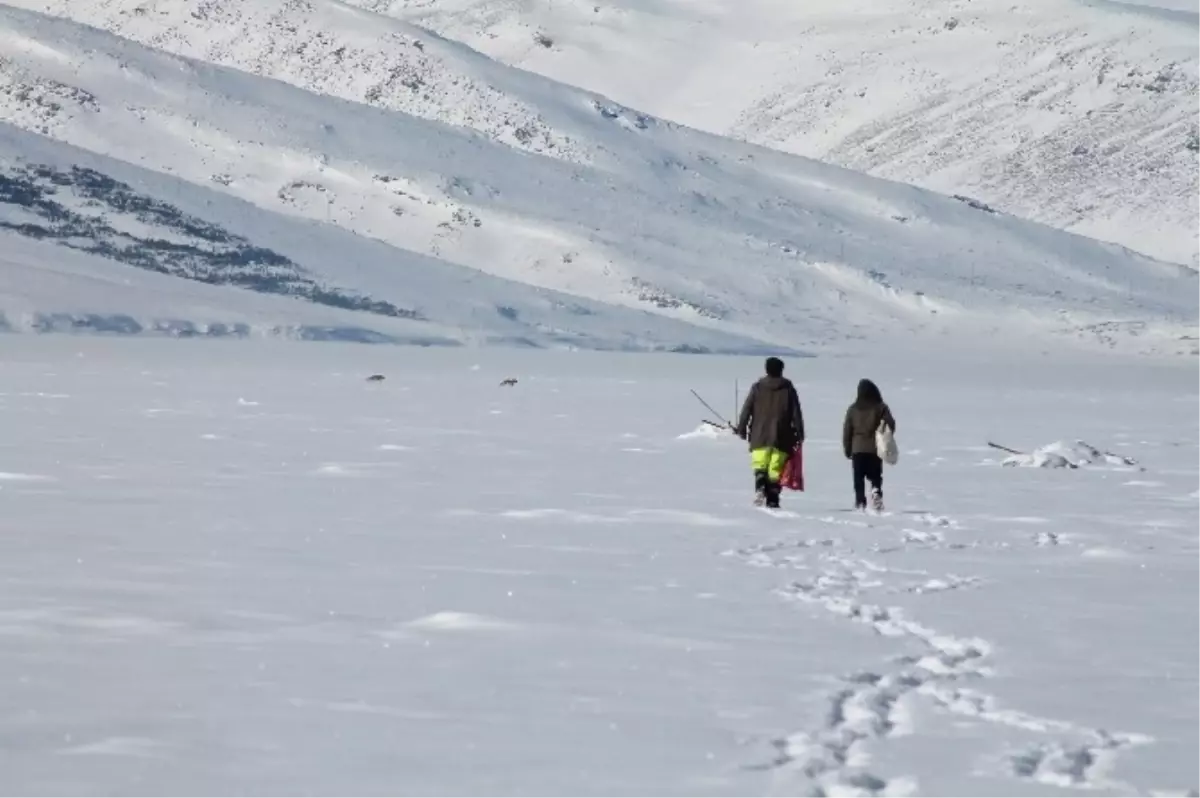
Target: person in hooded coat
{"type": "Point", "coordinates": [772, 422]}
{"type": "Point", "coordinates": [858, 441]}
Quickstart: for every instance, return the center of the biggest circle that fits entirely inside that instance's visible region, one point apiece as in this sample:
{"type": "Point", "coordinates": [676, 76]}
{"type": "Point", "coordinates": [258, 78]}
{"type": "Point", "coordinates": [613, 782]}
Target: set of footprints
{"type": "Point", "coordinates": [939, 670]}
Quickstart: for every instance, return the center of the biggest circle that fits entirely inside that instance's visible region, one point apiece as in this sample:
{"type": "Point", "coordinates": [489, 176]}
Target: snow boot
{"type": "Point", "coordinates": [760, 488]}
{"type": "Point", "coordinates": [877, 500]}
{"type": "Point", "coordinates": [772, 495]}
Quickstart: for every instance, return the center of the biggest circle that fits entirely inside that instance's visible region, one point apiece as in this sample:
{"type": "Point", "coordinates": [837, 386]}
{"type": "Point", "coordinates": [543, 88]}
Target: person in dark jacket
{"type": "Point", "coordinates": [858, 441]}
{"type": "Point", "coordinates": [772, 422]}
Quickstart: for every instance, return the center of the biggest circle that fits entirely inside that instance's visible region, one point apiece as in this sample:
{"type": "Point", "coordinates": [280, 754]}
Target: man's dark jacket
{"type": "Point", "coordinates": [771, 415]}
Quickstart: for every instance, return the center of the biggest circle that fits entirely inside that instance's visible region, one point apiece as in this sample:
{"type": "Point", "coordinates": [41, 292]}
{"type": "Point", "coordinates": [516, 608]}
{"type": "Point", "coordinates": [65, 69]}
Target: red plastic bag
{"type": "Point", "coordinates": [793, 470]}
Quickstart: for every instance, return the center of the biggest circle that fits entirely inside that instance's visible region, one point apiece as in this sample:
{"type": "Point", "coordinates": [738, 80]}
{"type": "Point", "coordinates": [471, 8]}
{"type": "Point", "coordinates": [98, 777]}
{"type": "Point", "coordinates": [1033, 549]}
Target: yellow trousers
{"type": "Point", "coordinates": [770, 460]}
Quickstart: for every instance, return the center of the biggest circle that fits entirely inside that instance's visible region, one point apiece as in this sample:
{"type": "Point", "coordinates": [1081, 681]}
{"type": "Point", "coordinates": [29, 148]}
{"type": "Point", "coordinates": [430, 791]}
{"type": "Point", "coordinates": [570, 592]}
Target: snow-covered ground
{"type": "Point", "coordinates": [597, 227]}
{"type": "Point", "coordinates": [1077, 113]}
{"type": "Point", "coordinates": [241, 568]}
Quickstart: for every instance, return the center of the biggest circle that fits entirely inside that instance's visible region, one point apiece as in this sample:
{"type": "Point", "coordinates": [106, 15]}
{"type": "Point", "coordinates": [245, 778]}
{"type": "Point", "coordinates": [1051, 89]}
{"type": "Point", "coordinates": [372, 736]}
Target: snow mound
{"type": "Point", "coordinates": [1105, 553]}
{"type": "Point", "coordinates": [705, 432]}
{"type": "Point", "coordinates": [449, 621]}
{"type": "Point", "coordinates": [1063, 454]}
{"type": "Point", "coordinates": [8, 476]}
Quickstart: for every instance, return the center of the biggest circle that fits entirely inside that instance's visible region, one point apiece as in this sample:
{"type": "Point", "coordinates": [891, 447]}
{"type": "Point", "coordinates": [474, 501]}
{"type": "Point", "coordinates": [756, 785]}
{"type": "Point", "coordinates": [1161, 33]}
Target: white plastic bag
{"type": "Point", "coordinates": [885, 444]}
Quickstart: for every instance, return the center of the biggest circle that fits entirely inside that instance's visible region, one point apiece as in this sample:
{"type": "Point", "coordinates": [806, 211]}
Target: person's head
{"type": "Point", "coordinates": [868, 393]}
{"type": "Point", "coordinates": [774, 367]}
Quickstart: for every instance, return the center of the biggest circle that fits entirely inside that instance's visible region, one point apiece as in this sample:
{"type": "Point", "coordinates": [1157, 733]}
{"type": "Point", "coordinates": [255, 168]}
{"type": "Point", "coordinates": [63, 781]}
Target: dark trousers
{"type": "Point", "coordinates": [867, 468]}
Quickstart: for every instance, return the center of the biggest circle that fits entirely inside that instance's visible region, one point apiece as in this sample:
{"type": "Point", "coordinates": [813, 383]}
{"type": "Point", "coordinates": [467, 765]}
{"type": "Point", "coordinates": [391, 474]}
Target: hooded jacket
{"type": "Point", "coordinates": [771, 415]}
{"type": "Point", "coordinates": [863, 418]}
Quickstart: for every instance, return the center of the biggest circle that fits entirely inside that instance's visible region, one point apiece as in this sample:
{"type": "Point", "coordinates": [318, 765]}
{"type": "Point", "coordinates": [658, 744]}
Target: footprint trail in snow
{"type": "Point", "coordinates": [832, 755]}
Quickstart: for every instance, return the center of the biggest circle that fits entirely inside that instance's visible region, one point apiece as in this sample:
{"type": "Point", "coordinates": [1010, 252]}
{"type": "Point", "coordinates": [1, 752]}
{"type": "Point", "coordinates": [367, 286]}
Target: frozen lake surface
{"type": "Point", "coordinates": [236, 568]}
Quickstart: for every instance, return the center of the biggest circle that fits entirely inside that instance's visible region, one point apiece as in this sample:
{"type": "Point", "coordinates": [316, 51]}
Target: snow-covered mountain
{"type": "Point", "coordinates": [393, 185]}
{"type": "Point", "coordinates": [97, 245]}
{"type": "Point", "coordinates": [1077, 113]}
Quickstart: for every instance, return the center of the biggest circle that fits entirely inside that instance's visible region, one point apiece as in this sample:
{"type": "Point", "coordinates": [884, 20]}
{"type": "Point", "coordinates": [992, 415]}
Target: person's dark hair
{"type": "Point", "coordinates": [868, 394]}
{"type": "Point", "coordinates": [774, 367]}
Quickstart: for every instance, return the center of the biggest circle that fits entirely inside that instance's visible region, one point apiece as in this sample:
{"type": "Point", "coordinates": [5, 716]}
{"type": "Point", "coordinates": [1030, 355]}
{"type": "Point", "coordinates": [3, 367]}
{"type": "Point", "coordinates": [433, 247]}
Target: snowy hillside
{"type": "Point", "coordinates": [157, 255]}
{"type": "Point", "coordinates": [406, 187]}
{"type": "Point", "coordinates": [1077, 113]}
